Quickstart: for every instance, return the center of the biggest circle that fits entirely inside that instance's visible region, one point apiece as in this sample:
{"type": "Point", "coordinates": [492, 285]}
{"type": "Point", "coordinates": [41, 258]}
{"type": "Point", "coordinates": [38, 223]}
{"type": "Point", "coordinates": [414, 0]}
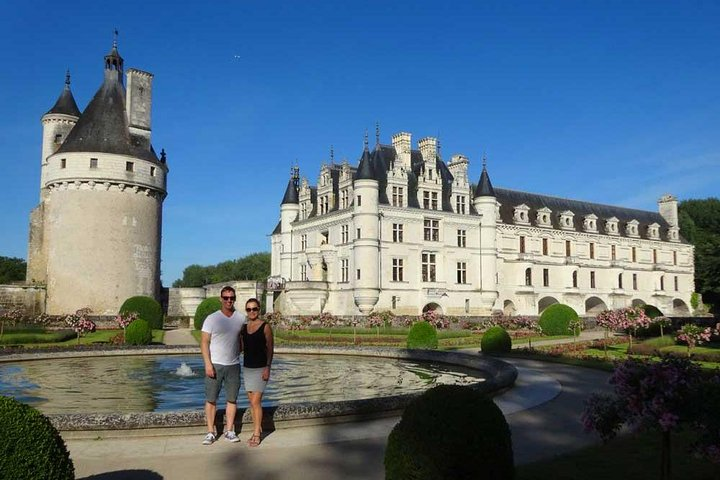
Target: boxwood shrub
{"type": "Point", "coordinates": [496, 340]}
{"type": "Point", "coordinates": [422, 335]}
{"type": "Point", "coordinates": [206, 307]}
{"type": "Point", "coordinates": [138, 333]}
{"type": "Point", "coordinates": [147, 308]}
{"type": "Point", "coordinates": [450, 432]}
{"type": "Point", "coordinates": [30, 447]}
{"type": "Point", "coordinates": [555, 319]}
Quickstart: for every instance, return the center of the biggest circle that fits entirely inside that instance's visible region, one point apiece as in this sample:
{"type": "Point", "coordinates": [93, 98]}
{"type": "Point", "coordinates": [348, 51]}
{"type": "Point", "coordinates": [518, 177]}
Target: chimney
{"type": "Point", "coordinates": [402, 143]}
{"type": "Point", "coordinates": [668, 208]}
{"type": "Point", "coordinates": [428, 149]}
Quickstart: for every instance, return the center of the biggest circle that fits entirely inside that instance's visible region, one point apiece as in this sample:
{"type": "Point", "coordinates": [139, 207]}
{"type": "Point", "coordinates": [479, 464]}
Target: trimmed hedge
{"type": "Point", "coordinates": [450, 432]}
{"type": "Point", "coordinates": [496, 340]}
{"type": "Point", "coordinates": [555, 319]}
{"type": "Point", "coordinates": [146, 308]}
{"type": "Point", "coordinates": [138, 332]}
{"type": "Point", "coordinates": [30, 447]}
{"type": "Point", "coordinates": [422, 335]}
{"type": "Point", "coordinates": [206, 307]}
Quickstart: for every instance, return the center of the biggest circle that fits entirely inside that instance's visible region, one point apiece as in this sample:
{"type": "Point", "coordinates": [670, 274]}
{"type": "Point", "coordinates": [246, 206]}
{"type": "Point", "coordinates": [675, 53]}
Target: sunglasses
{"type": "Point", "coordinates": [228, 298]}
{"type": "Point", "coordinates": [252, 309]}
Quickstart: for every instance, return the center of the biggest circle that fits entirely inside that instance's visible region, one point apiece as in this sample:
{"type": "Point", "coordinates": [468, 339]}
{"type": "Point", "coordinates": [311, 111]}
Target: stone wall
{"type": "Point", "coordinates": [29, 297]}
{"type": "Point", "coordinates": [182, 302]}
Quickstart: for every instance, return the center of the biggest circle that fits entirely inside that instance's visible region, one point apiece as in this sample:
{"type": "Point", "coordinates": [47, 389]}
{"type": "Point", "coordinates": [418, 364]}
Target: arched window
{"type": "Point", "coordinates": [574, 279]}
{"type": "Point", "coordinates": [528, 277]}
{"type": "Point", "coordinates": [620, 280]}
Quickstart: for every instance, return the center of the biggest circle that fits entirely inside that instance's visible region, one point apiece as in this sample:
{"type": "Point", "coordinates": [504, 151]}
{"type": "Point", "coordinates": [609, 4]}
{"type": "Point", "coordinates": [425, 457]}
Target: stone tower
{"type": "Point", "coordinates": [366, 249]}
{"type": "Point", "coordinates": [485, 204]}
{"type": "Point", "coordinates": [95, 236]}
{"type": "Point", "coordinates": [289, 209]}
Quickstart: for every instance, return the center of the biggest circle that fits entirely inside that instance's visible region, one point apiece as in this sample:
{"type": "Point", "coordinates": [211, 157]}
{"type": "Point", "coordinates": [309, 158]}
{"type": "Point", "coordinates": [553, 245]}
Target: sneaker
{"type": "Point", "coordinates": [230, 436]}
{"type": "Point", "coordinates": [209, 439]}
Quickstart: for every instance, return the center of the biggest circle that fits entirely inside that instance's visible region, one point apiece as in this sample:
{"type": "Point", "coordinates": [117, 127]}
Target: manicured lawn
{"type": "Point", "coordinates": [634, 456]}
{"type": "Point", "coordinates": [66, 338]}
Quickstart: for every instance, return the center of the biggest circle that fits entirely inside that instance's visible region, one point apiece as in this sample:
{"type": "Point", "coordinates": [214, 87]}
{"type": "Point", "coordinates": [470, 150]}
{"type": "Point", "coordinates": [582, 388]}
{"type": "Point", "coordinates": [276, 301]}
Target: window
{"type": "Point", "coordinates": [461, 238]}
{"type": "Point", "coordinates": [568, 249]}
{"type": "Point", "coordinates": [434, 200]}
{"type": "Point", "coordinates": [394, 302]}
{"type": "Point", "coordinates": [428, 267]}
{"type": "Point", "coordinates": [344, 234]}
{"type": "Point", "coordinates": [358, 233]}
{"type": "Point", "coordinates": [634, 281]}
{"type": "Point", "coordinates": [620, 281]}
{"type": "Point", "coordinates": [344, 199]}
{"type": "Point", "coordinates": [94, 163]}
{"type": "Point", "coordinates": [634, 254]}
{"type": "Point", "coordinates": [58, 138]}
{"type": "Point", "coordinates": [460, 204]}
{"type": "Point", "coordinates": [676, 283]}
{"type": "Point", "coordinates": [545, 246]}
{"type": "Point", "coordinates": [344, 270]}
{"type": "Point", "coordinates": [303, 242]}
{"type": "Point", "coordinates": [662, 282]}
{"type": "Point", "coordinates": [592, 279]}
{"type": "Point", "coordinates": [397, 232]}
{"type": "Point", "coordinates": [674, 258]}
{"type": "Point", "coordinates": [546, 277]}
{"type": "Point", "coordinates": [397, 269]}
{"type": "Point", "coordinates": [654, 255]}
{"type": "Point", "coordinates": [467, 305]}
{"type": "Point", "coordinates": [426, 200]}
{"type": "Point", "coordinates": [612, 252]}
{"type": "Point", "coordinates": [359, 200]}
{"type": "Point", "coordinates": [592, 250]}
{"type": "Point", "coordinates": [357, 274]}
{"type": "Point", "coordinates": [303, 273]}
{"type": "Point", "coordinates": [461, 272]}
{"type": "Point", "coordinates": [574, 279]}
{"type": "Point", "coordinates": [432, 230]}
{"type": "Point", "coordinates": [324, 204]}
{"type": "Point", "coordinates": [528, 277]}
{"type": "Point", "coordinates": [398, 196]}
{"type": "Point", "coordinates": [152, 171]}
{"type": "Point", "coordinates": [129, 166]}
{"type": "Point", "coordinates": [522, 244]}
{"type": "Point", "coordinates": [63, 163]}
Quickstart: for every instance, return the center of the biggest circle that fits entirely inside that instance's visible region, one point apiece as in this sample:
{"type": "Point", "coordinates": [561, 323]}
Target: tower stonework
{"type": "Point", "coordinates": [95, 237]}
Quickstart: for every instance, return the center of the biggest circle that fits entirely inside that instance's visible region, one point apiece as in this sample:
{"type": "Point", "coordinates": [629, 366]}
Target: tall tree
{"type": "Point", "coordinates": [12, 269]}
{"type": "Point", "coordinates": [255, 266]}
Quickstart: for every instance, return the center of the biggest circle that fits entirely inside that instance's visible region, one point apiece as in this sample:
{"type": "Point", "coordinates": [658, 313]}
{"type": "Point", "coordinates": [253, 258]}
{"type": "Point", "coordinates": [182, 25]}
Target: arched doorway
{"type": "Point", "coordinates": [508, 308]}
{"type": "Point", "coordinates": [680, 308]}
{"type": "Point", "coordinates": [433, 306]}
{"type": "Point", "coordinates": [546, 302]}
{"type": "Point", "coordinates": [638, 303]}
{"type": "Point", "coordinates": [594, 305]}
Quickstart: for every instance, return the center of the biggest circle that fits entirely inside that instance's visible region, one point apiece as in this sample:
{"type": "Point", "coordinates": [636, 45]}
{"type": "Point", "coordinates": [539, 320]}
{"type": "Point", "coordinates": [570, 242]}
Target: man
{"type": "Point", "coordinates": [220, 346]}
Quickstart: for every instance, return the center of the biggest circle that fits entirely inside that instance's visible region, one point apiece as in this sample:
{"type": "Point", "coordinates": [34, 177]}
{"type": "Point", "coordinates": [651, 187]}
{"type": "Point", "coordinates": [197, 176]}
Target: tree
{"type": "Point", "coordinates": [255, 266]}
{"type": "Point", "coordinates": [12, 269]}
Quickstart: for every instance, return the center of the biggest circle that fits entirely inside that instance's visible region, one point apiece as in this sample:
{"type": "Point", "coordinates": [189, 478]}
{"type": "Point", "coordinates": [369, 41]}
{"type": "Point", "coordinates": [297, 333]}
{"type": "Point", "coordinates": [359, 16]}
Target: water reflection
{"type": "Point", "coordinates": [175, 382]}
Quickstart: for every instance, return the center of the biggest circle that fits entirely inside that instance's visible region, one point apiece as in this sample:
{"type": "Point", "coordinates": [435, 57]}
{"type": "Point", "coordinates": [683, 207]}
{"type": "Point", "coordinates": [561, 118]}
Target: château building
{"type": "Point", "coordinates": [406, 231]}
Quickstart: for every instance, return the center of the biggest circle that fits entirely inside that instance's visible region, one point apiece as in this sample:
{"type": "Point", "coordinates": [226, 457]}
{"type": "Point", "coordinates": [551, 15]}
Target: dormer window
{"type": "Point", "coordinates": [653, 231]}
{"type": "Point", "coordinates": [521, 215]}
{"type": "Point", "coordinates": [543, 217]}
{"type": "Point", "coordinates": [590, 223]}
{"type": "Point", "coordinates": [674, 234]}
{"type": "Point", "coordinates": [611, 226]}
{"type": "Point", "coordinates": [566, 220]}
{"type": "Point", "coordinates": [631, 229]}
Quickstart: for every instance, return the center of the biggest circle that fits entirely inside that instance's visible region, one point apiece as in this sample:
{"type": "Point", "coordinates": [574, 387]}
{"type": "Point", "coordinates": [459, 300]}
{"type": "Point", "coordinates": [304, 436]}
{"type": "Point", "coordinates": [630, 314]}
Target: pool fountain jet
{"type": "Point", "coordinates": [184, 371]}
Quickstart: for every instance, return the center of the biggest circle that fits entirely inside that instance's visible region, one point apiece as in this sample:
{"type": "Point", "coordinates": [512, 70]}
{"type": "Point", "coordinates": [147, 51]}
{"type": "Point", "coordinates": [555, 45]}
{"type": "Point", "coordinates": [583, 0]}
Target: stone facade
{"type": "Point", "coordinates": [182, 302]}
{"type": "Point", "coordinates": [406, 232]}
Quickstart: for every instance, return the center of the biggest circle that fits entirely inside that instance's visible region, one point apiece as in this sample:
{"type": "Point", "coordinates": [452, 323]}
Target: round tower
{"type": "Point", "coordinates": [289, 209]}
{"type": "Point", "coordinates": [103, 208]}
{"type": "Point", "coordinates": [366, 247]}
{"type": "Point", "coordinates": [485, 204]}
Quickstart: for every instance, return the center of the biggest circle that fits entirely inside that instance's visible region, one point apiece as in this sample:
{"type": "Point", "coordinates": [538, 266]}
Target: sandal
{"type": "Point", "coordinates": [254, 441]}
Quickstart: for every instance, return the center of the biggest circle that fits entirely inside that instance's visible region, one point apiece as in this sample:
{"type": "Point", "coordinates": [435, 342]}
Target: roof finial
{"type": "Point", "coordinates": [67, 77]}
{"type": "Point", "coordinates": [438, 145]}
{"type": "Point", "coordinates": [366, 139]}
{"type": "Point", "coordinates": [484, 159]}
{"type": "Point", "coordinates": [377, 133]}
{"type": "Point", "coordinates": [115, 37]}
{"type": "Point", "coordinates": [163, 156]}
{"type": "Point", "coordinates": [332, 154]}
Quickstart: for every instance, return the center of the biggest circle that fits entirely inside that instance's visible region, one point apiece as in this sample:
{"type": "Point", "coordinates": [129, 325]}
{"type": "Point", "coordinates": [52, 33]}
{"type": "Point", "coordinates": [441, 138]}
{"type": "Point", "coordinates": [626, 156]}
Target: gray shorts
{"type": "Point", "coordinates": [229, 375]}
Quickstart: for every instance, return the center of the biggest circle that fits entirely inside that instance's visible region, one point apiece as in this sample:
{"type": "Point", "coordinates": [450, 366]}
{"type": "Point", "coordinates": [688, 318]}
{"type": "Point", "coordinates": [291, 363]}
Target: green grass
{"type": "Point", "coordinates": [69, 338]}
{"type": "Point", "coordinates": [635, 456]}
{"type": "Point", "coordinates": [35, 337]}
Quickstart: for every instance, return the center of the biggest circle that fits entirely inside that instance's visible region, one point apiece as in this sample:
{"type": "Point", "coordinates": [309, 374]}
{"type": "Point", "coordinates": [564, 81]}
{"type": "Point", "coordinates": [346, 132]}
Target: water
{"type": "Point", "coordinates": [176, 382]}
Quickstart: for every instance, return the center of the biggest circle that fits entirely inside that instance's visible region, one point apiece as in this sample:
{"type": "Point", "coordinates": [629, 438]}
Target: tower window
{"type": "Point", "coordinates": [592, 250]}
{"type": "Point", "coordinates": [522, 244]}
{"type": "Point", "coordinates": [634, 254]}
{"type": "Point", "coordinates": [63, 163]}
{"type": "Point", "coordinates": [654, 255]}
{"type": "Point", "coordinates": [129, 166]}
{"type": "Point", "coordinates": [358, 274]}
{"type": "Point", "coordinates": [152, 171]}
{"type": "Point", "coordinates": [359, 200]}
{"type": "Point", "coordinates": [612, 252]}
{"type": "Point", "coordinates": [58, 138]}
{"type": "Point", "coordinates": [568, 248]}
{"type": "Point", "coordinates": [545, 246]}
{"type": "Point", "coordinates": [93, 163]}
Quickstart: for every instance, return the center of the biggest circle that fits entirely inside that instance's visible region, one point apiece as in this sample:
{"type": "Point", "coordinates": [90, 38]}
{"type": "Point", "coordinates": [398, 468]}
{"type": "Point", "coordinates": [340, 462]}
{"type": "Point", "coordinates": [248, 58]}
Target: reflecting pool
{"type": "Point", "coordinates": [123, 384]}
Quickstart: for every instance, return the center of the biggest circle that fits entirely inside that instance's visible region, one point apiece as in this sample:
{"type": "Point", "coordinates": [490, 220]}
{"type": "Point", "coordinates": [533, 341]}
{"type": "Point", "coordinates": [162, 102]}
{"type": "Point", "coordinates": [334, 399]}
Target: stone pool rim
{"type": "Point", "coordinates": [500, 376]}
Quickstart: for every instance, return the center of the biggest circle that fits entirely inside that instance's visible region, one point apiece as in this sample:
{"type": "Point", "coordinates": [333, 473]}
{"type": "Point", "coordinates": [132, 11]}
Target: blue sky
{"type": "Point", "coordinates": [606, 101]}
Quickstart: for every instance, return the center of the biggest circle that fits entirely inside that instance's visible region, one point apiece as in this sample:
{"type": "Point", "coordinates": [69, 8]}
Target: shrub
{"type": "Point", "coordinates": [450, 432]}
{"type": "Point", "coordinates": [30, 447]}
{"type": "Point", "coordinates": [496, 340]}
{"type": "Point", "coordinates": [146, 308]}
{"type": "Point", "coordinates": [653, 330]}
{"type": "Point", "coordinates": [555, 319]}
{"type": "Point", "coordinates": [138, 333]}
{"type": "Point", "coordinates": [422, 335]}
{"type": "Point", "coordinates": [206, 307]}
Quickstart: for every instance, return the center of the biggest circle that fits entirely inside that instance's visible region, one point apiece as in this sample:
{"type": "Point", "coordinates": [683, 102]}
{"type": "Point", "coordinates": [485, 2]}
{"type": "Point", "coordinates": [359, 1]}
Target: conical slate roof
{"type": "Point", "coordinates": [365, 168]}
{"type": "Point", "coordinates": [66, 102]}
{"type": "Point", "coordinates": [484, 187]}
{"type": "Point", "coordinates": [291, 193]}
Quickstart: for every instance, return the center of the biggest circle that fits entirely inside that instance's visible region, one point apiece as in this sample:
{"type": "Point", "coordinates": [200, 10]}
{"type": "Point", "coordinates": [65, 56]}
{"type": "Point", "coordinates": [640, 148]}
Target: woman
{"type": "Point", "coordinates": [257, 345]}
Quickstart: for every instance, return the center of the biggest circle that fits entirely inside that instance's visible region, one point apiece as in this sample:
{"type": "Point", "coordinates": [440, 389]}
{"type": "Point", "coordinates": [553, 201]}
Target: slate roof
{"type": "Point", "coordinates": [291, 193]}
{"type": "Point", "coordinates": [103, 127]}
{"type": "Point", "coordinates": [484, 187]}
{"type": "Point", "coordinates": [66, 102]}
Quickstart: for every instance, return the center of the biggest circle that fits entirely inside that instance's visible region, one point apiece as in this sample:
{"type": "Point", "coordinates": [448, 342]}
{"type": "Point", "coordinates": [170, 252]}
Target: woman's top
{"type": "Point", "coordinates": [254, 346]}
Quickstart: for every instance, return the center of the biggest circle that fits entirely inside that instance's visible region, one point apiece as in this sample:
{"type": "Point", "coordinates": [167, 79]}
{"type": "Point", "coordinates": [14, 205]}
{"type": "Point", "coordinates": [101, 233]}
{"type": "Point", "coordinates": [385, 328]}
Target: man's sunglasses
{"type": "Point", "coordinates": [228, 298]}
{"type": "Point", "coordinates": [252, 309]}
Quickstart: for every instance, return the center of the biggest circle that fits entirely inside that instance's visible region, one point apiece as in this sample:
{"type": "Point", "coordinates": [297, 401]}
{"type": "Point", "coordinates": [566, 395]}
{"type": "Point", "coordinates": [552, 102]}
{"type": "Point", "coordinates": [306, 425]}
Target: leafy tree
{"type": "Point", "coordinates": [12, 269]}
{"type": "Point", "coordinates": [255, 266]}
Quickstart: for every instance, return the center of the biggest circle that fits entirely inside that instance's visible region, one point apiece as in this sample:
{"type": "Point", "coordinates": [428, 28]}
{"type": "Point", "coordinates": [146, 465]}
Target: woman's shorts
{"type": "Point", "coordinates": [252, 377]}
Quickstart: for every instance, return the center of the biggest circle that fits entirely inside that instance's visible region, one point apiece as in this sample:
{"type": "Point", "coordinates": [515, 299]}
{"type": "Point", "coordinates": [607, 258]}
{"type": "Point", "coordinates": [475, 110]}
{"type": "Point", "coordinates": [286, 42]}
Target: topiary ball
{"type": "Point", "coordinates": [450, 432]}
{"type": "Point", "coordinates": [146, 308]}
{"type": "Point", "coordinates": [138, 333]}
{"type": "Point", "coordinates": [555, 319]}
{"type": "Point", "coordinates": [496, 340]}
{"type": "Point", "coordinates": [30, 447]}
{"type": "Point", "coordinates": [206, 307]}
{"type": "Point", "coordinates": [422, 335]}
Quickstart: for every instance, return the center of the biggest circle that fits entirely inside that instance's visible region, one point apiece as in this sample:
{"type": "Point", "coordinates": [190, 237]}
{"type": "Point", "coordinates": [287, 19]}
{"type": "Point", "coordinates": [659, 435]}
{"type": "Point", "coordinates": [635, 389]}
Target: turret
{"type": "Point", "coordinates": [114, 63]}
{"type": "Point", "coordinates": [485, 205]}
{"type": "Point", "coordinates": [289, 210]}
{"type": "Point", "coordinates": [366, 248]}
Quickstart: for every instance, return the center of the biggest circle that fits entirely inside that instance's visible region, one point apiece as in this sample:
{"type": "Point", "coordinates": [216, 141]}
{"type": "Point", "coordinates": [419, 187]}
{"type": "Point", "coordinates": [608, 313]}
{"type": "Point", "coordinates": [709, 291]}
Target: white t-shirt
{"type": "Point", "coordinates": [224, 336]}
